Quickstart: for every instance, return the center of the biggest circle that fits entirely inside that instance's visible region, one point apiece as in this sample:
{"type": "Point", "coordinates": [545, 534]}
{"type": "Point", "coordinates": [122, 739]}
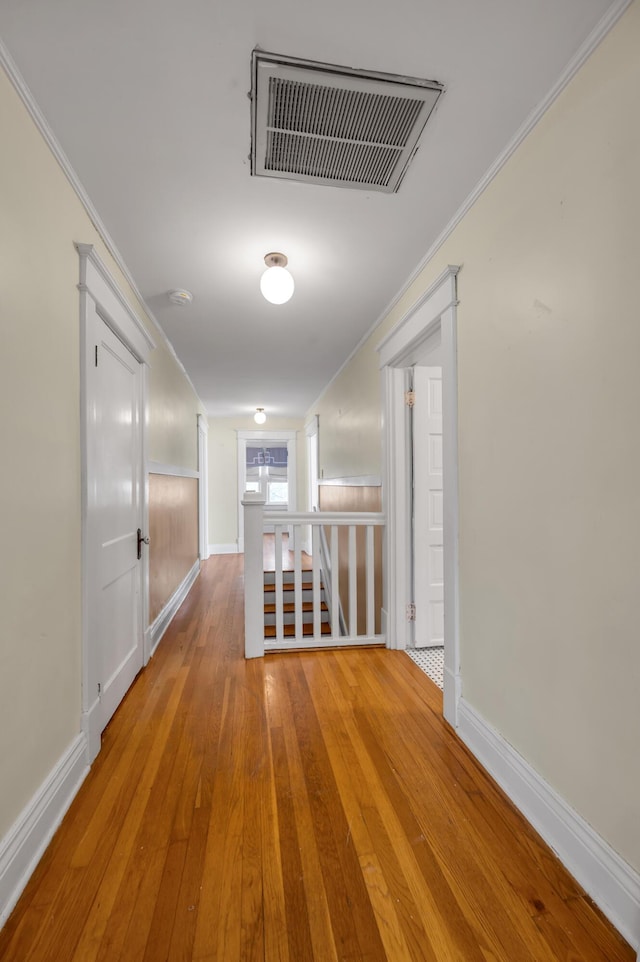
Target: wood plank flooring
{"type": "Point", "coordinates": [306, 807]}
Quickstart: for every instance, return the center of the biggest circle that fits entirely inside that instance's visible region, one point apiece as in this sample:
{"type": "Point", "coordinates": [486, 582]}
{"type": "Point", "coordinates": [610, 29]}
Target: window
{"type": "Point", "coordinates": [277, 492]}
{"type": "Point", "coordinates": [266, 472]}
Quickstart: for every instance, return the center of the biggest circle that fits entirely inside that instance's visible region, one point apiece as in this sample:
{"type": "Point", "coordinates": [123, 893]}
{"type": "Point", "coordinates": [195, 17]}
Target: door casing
{"type": "Point", "coordinates": [399, 351]}
{"type": "Point", "coordinates": [100, 294]}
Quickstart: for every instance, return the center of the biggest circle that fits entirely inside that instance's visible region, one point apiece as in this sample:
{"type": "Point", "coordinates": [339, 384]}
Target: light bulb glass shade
{"type": "Point", "coordinates": [259, 417]}
{"type": "Point", "coordinates": [276, 285]}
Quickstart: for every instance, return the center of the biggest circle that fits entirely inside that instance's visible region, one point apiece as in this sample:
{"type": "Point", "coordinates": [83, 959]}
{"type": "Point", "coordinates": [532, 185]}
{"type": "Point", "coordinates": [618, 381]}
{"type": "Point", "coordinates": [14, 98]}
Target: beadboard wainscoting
{"type": "Point", "coordinates": [173, 533]}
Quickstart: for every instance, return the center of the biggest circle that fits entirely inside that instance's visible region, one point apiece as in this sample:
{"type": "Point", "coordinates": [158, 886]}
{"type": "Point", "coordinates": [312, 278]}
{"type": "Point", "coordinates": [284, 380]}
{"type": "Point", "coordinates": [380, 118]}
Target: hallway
{"type": "Point", "coordinates": [306, 808]}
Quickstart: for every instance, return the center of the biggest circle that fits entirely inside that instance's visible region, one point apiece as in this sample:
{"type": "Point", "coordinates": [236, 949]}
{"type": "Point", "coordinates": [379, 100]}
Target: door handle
{"type": "Point", "coordinates": [141, 541]}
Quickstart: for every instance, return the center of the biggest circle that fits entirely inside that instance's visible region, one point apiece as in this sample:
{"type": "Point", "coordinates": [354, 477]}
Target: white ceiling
{"type": "Point", "coordinates": [148, 99]}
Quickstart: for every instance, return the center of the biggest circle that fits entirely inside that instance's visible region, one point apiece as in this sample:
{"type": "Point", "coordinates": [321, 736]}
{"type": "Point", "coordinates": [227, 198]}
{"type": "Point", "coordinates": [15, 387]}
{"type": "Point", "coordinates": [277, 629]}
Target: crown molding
{"type": "Point", "coordinates": [11, 69]}
{"type": "Point", "coordinates": [583, 53]}
{"type": "Point", "coordinates": [598, 34]}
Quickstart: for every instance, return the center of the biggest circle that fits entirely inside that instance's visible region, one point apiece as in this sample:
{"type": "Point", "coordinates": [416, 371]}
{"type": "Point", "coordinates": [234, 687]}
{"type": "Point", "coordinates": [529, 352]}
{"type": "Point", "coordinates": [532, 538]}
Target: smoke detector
{"type": "Point", "coordinates": [180, 297]}
{"type": "Point", "coordinates": [323, 124]}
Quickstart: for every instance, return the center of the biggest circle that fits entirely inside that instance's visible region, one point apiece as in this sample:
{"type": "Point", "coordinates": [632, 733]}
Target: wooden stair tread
{"type": "Point", "coordinates": [289, 630]}
{"type": "Point", "coordinates": [289, 606]}
{"type": "Point", "coordinates": [289, 586]}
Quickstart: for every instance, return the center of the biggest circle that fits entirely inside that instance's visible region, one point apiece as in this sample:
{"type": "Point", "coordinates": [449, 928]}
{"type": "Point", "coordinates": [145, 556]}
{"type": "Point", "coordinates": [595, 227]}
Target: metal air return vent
{"type": "Point", "coordinates": [322, 124]}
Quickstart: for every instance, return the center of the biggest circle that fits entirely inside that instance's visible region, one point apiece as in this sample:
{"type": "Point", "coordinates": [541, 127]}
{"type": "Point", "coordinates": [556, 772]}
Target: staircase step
{"type": "Point", "coordinates": [289, 617]}
{"type": "Point", "coordinates": [289, 585]}
{"type": "Point", "coordinates": [287, 576]}
{"type": "Point", "coordinates": [290, 630]}
{"type": "Point", "coordinates": [289, 606]}
{"type": "Point", "coordinates": [306, 586]}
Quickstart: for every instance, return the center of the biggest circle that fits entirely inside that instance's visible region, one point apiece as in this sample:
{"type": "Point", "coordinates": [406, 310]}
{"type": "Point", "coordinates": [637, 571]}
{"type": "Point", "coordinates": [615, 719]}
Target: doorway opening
{"type": "Point", "coordinates": [421, 589]}
{"type": "Point", "coordinates": [427, 496]}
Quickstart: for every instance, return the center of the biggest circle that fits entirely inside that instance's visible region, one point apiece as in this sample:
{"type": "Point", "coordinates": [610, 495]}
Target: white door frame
{"type": "Point", "coordinates": [292, 470]}
{"type": "Point", "coordinates": [312, 432]}
{"type": "Point", "coordinates": [398, 351]}
{"type": "Point", "coordinates": [203, 486]}
{"type": "Point", "coordinates": [99, 292]}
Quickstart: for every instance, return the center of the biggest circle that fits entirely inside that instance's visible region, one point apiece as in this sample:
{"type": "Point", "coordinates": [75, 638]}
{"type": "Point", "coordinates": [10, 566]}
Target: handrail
{"type": "Point", "coordinates": [302, 619]}
{"type": "Point", "coordinates": [327, 517]}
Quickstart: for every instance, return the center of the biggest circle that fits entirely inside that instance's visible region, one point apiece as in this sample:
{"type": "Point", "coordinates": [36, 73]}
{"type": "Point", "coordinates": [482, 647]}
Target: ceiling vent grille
{"type": "Point", "coordinates": [336, 126]}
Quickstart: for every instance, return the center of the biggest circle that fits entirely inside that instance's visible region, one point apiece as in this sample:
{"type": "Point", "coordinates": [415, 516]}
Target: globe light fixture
{"type": "Point", "coordinates": [276, 284]}
{"type": "Point", "coordinates": [259, 417]}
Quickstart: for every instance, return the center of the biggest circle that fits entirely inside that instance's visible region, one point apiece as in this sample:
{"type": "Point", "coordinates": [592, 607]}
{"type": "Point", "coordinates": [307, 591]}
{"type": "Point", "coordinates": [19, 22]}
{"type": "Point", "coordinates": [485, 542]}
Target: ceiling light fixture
{"type": "Point", "coordinates": [276, 283]}
{"type": "Point", "coordinates": [259, 417]}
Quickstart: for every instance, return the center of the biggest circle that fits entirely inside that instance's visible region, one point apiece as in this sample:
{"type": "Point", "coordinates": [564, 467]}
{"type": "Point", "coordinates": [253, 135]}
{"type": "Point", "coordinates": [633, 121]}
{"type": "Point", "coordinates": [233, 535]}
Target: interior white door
{"type": "Point", "coordinates": [428, 518]}
{"type": "Point", "coordinates": [115, 602]}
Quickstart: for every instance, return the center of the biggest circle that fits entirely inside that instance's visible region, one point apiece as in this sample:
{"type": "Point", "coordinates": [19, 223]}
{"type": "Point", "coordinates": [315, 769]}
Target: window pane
{"type": "Point", "coordinates": [277, 492]}
{"type": "Point", "coordinates": [252, 486]}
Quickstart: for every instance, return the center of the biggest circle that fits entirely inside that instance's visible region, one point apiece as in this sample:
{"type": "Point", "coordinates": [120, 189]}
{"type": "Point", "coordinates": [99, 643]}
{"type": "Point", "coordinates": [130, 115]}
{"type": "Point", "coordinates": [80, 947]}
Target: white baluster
{"type": "Point", "coordinates": [315, 554]}
{"type": "Point", "coordinates": [297, 579]}
{"type": "Point", "coordinates": [278, 532]}
{"type": "Point", "coordinates": [335, 583]}
{"type": "Point", "coordinates": [353, 583]}
{"type": "Point", "coordinates": [371, 626]}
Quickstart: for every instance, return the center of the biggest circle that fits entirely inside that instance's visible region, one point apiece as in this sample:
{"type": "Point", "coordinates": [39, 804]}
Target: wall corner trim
{"type": "Point", "coordinates": [609, 880]}
{"type": "Point", "coordinates": [23, 846]}
{"type": "Point", "coordinates": [163, 620]}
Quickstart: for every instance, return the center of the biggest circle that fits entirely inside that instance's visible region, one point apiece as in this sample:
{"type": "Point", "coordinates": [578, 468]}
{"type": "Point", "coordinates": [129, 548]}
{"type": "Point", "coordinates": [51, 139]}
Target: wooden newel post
{"type": "Point", "coordinates": [253, 507]}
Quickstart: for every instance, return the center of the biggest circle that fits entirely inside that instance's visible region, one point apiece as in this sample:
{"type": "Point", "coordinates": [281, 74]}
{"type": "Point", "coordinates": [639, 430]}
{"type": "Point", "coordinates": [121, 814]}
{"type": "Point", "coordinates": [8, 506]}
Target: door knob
{"type": "Point", "coordinates": [141, 541]}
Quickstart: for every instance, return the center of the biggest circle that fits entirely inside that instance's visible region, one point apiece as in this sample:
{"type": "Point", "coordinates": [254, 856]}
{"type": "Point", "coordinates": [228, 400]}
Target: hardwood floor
{"type": "Point", "coordinates": [304, 807]}
{"type": "Point", "coordinates": [269, 554]}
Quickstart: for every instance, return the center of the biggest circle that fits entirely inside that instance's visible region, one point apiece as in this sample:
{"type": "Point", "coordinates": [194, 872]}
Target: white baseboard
{"type": "Point", "coordinates": [451, 697]}
{"type": "Point", "coordinates": [223, 549]}
{"type": "Point", "coordinates": [162, 622]}
{"type": "Point", "coordinates": [610, 881]}
{"type": "Point", "coordinates": [90, 721]}
{"type": "Point", "coordinates": [23, 846]}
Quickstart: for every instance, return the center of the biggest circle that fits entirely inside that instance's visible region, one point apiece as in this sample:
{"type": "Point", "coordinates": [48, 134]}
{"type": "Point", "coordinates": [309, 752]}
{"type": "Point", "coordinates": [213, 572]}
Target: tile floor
{"type": "Point", "coordinates": [431, 661]}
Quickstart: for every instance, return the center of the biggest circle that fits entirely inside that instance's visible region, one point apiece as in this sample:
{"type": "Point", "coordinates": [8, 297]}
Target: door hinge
{"type": "Point", "coordinates": [410, 398]}
{"type": "Point", "coordinates": [411, 611]}
{"type": "Point", "coordinates": [96, 355]}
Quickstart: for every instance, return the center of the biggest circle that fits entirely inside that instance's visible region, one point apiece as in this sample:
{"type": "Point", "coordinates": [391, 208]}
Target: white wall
{"type": "Point", "coordinates": [549, 450]}
{"type": "Point", "coordinates": [223, 472]}
{"type": "Point", "coordinates": [40, 630]}
{"type": "Point", "coordinates": [173, 412]}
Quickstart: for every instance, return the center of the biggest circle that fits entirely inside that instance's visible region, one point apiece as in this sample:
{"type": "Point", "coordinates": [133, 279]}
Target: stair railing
{"type": "Point", "coordinates": [342, 558]}
{"type": "Point", "coordinates": [325, 569]}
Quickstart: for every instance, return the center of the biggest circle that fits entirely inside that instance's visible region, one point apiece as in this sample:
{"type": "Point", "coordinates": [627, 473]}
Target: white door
{"type": "Point", "coordinates": [428, 518]}
{"type": "Point", "coordinates": [115, 443]}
